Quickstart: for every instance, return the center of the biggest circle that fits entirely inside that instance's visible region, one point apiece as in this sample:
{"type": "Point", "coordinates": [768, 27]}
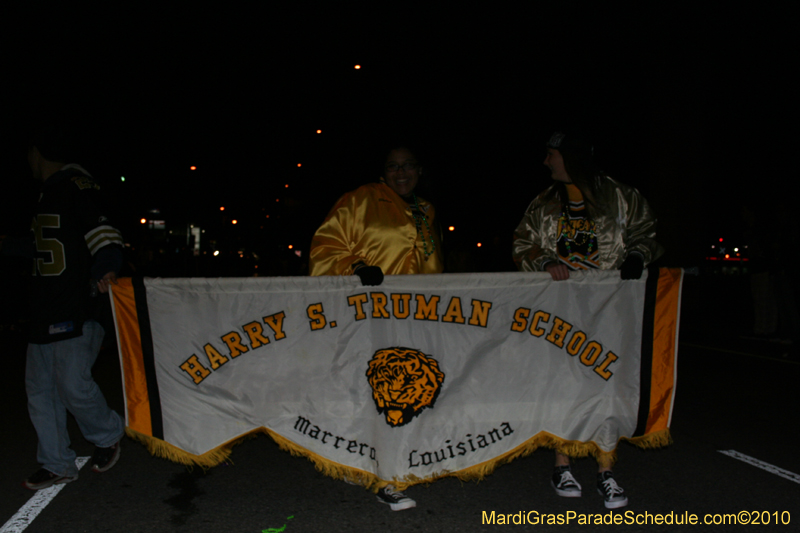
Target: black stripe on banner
{"type": "Point", "coordinates": [646, 370]}
{"type": "Point", "coordinates": [140, 294]}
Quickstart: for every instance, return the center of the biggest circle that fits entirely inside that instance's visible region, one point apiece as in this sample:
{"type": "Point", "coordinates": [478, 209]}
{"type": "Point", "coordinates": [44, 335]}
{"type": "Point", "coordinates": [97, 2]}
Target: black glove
{"type": "Point", "coordinates": [370, 275]}
{"type": "Point", "coordinates": [632, 267]}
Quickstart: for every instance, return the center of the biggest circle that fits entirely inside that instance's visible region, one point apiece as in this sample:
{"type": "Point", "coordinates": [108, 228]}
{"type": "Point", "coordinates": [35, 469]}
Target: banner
{"type": "Point", "coordinates": [421, 377]}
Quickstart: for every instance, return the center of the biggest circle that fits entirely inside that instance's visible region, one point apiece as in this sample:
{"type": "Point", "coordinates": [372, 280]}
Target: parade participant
{"type": "Point", "coordinates": [585, 220]}
{"type": "Point", "coordinates": [78, 254]}
{"type": "Point", "coordinates": [381, 228]}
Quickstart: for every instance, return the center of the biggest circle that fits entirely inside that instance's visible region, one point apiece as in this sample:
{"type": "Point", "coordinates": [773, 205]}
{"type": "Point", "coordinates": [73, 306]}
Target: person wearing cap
{"type": "Point", "coordinates": [585, 220]}
{"type": "Point", "coordinates": [77, 255]}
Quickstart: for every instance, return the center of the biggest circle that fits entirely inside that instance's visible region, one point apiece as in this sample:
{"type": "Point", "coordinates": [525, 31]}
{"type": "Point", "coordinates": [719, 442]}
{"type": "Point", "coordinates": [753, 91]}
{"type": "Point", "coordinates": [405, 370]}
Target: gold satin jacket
{"type": "Point", "coordinates": [628, 225]}
{"type": "Point", "coordinates": [374, 225]}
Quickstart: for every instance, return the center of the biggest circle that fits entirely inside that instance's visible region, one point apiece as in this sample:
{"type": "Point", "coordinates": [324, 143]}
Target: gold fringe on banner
{"type": "Point", "coordinates": [656, 439]}
{"type": "Point", "coordinates": [160, 448]}
{"type": "Point", "coordinates": [165, 450]}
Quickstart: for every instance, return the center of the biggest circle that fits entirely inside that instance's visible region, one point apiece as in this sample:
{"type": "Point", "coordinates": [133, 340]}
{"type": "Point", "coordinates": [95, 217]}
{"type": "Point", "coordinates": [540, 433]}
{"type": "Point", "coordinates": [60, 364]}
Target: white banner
{"type": "Point", "coordinates": [419, 377]}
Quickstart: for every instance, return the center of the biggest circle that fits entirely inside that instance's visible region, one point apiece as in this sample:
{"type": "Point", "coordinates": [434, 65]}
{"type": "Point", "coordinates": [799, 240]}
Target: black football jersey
{"type": "Point", "coordinates": [69, 227]}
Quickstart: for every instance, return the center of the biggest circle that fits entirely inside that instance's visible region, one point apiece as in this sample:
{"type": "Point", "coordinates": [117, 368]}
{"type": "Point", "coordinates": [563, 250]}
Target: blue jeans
{"type": "Point", "coordinates": [58, 378]}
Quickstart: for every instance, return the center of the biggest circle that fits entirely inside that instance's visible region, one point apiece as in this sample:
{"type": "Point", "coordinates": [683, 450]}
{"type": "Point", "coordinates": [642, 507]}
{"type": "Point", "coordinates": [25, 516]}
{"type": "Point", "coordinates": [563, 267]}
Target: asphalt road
{"type": "Point", "coordinates": [732, 394]}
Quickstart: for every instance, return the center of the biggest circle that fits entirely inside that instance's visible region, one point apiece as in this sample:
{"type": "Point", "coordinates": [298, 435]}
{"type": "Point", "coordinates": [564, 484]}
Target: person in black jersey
{"type": "Point", "coordinates": [77, 256]}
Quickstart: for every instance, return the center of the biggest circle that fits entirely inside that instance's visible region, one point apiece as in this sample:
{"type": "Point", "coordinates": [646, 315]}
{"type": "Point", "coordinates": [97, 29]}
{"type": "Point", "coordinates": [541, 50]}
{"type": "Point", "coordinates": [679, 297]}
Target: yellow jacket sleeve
{"type": "Point", "coordinates": [332, 248]}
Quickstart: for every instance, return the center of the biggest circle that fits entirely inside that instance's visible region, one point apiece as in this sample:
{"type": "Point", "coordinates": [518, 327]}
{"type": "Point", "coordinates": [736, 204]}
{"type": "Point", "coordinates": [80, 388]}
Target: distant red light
{"type": "Point", "coordinates": [738, 259]}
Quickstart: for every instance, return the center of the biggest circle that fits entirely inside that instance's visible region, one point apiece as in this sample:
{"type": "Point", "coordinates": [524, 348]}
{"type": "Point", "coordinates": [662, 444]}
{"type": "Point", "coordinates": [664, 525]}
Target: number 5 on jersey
{"type": "Point", "coordinates": [57, 262]}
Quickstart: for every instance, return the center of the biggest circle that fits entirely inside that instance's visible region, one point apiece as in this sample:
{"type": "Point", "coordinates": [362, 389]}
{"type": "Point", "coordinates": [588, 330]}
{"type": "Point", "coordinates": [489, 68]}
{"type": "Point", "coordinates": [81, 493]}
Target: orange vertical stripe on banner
{"type": "Point", "coordinates": [665, 329]}
{"type": "Point", "coordinates": [130, 347]}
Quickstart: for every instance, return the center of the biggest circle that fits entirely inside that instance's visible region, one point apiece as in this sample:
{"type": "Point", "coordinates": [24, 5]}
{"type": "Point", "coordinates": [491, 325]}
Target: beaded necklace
{"type": "Point", "coordinates": [417, 214]}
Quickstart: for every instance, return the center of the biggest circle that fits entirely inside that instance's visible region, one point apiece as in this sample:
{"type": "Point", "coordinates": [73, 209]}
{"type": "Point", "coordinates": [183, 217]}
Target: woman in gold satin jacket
{"type": "Point", "coordinates": [380, 225]}
{"type": "Point", "coordinates": [381, 228]}
{"type": "Point", "coordinates": [585, 220]}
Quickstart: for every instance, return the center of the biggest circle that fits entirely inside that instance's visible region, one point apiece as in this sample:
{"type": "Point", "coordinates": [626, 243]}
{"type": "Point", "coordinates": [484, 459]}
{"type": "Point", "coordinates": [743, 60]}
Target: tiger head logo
{"type": "Point", "coordinates": [404, 381]}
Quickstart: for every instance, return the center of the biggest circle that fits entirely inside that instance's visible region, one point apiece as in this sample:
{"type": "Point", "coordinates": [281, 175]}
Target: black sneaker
{"type": "Point", "coordinates": [104, 458]}
{"type": "Point", "coordinates": [42, 479]}
{"type": "Point", "coordinates": [564, 484]}
{"type": "Point", "coordinates": [612, 493]}
{"type": "Point", "coordinates": [396, 500]}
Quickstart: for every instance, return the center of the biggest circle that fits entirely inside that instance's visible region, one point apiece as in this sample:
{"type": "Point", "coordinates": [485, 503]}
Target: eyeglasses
{"type": "Point", "coordinates": [394, 167]}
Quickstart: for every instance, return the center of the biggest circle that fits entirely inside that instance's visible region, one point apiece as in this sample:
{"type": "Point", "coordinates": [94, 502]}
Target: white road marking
{"type": "Point", "coordinates": [772, 469]}
{"type": "Point", "coordinates": [36, 504]}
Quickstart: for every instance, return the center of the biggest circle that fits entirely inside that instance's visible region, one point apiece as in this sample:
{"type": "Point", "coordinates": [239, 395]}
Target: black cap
{"type": "Point", "coordinates": [572, 142]}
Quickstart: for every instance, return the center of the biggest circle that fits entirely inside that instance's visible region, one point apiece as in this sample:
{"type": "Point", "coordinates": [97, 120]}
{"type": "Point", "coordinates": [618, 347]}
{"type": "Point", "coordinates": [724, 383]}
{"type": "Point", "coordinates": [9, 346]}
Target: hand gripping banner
{"type": "Point", "coordinates": [421, 377]}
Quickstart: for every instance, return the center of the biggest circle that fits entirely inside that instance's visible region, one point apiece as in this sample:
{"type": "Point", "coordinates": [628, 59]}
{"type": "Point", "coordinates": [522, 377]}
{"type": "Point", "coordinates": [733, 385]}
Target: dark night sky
{"type": "Point", "coordinates": [678, 99]}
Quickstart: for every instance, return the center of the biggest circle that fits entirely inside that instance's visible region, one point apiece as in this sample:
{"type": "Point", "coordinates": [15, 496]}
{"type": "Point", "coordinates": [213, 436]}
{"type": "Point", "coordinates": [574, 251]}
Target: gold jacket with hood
{"type": "Point", "coordinates": [374, 224]}
{"type": "Point", "coordinates": [627, 225]}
